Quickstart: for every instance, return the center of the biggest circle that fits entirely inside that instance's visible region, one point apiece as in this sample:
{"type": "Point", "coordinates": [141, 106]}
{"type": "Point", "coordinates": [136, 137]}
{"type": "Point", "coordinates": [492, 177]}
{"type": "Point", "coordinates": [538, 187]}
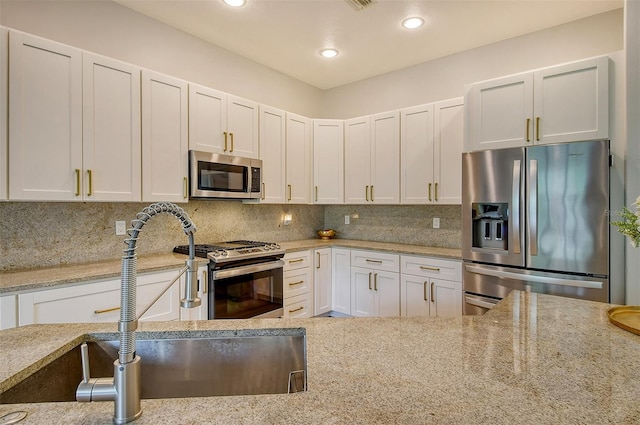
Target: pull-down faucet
{"type": "Point", "coordinates": [124, 388]}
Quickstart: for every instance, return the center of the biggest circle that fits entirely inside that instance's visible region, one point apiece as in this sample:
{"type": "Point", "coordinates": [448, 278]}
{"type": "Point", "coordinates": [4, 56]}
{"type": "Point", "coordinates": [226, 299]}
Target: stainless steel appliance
{"type": "Point", "coordinates": [245, 278]}
{"type": "Point", "coordinates": [223, 176]}
{"type": "Point", "coordinates": [536, 219]}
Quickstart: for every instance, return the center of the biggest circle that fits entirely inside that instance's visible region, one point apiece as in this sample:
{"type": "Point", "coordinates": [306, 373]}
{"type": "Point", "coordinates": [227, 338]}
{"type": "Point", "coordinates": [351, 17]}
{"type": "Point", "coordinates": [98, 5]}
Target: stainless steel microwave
{"type": "Point", "coordinates": [214, 175]}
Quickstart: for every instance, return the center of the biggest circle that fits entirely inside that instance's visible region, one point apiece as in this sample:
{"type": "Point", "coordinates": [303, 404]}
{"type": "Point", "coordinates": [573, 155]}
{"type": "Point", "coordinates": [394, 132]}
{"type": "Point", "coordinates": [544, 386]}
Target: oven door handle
{"type": "Point", "coordinates": [242, 270]}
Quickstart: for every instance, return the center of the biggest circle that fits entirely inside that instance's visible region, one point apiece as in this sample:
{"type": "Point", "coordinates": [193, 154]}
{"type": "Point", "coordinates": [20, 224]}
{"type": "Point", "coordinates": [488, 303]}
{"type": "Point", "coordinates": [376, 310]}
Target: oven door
{"type": "Point", "coordinates": [246, 291]}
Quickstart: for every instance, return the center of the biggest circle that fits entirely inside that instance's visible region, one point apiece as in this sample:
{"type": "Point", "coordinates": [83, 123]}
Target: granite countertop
{"type": "Point", "coordinates": [46, 277]}
{"type": "Point", "coordinates": [533, 359]}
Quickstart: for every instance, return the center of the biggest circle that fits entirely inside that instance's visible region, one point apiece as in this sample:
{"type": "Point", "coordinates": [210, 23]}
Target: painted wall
{"type": "Point", "coordinates": [445, 78]}
{"type": "Point", "coordinates": [107, 28]}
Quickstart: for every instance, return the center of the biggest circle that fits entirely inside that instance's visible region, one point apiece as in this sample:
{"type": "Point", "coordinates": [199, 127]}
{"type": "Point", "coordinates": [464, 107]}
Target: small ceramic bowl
{"type": "Point", "coordinates": [326, 233]}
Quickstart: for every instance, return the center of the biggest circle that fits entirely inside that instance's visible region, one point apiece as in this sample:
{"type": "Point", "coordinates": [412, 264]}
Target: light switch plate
{"type": "Point", "coordinates": [121, 228]}
{"type": "Point", "coordinates": [436, 223]}
{"type": "Point", "coordinates": [347, 219]}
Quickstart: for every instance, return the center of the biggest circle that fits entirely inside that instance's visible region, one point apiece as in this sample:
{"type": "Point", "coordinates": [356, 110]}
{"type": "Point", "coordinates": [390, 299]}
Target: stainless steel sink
{"type": "Point", "coordinates": [269, 361]}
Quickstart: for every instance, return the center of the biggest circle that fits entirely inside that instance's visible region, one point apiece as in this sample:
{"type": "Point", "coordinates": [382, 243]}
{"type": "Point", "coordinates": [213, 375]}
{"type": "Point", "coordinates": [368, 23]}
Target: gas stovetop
{"type": "Point", "coordinates": [233, 250]}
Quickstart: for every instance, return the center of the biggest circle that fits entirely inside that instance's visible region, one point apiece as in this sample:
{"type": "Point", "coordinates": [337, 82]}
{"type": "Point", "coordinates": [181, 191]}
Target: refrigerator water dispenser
{"type": "Point", "coordinates": [490, 226]}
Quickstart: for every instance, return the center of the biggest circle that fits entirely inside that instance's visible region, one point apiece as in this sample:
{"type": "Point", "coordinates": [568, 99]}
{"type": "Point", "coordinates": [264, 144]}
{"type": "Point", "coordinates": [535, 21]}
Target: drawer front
{"type": "Point", "coordinates": [432, 267]}
{"type": "Point", "coordinates": [297, 282]}
{"type": "Point", "coordinates": [300, 306]}
{"type": "Point", "coordinates": [375, 260]}
{"type": "Point", "coordinates": [297, 260]}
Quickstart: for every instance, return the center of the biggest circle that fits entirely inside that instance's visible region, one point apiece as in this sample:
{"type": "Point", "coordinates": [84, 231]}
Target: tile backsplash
{"type": "Point", "coordinates": [57, 233]}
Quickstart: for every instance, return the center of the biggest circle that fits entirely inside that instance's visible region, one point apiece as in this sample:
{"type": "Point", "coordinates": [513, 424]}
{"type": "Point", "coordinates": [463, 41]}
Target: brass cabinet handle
{"type": "Point", "coordinates": [424, 290]}
{"type": "Point", "coordinates": [77, 182]}
{"type": "Point", "coordinates": [90, 177]}
{"type": "Point", "coordinates": [296, 309]}
{"type": "Point", "coordinates": [186, 188]}
{"type": "Point", "coordinates": [231, 134]}
{"type": "Point", "coordinates": [429, 192]}
{"type": "Point", "coordinates": [434, 269]}
{"type": "Point", "coordinates": [375, 281]}
{"type": "Point", "coordinates": [433, 298]}
{"type": "Point", "coordinates": [205, 285]}
{"type": "Point", "coordinates": [371, 193]}
{"type": "Point", "coordinates": [374, 261]}
{"type": "Point", "coordinates": [528, 125]}
{"type": "Point", "coordinates": [297, 260]}
{"type": "Point", "coordinates": [318, 254]}
{"type": "Point", "coordinates": [436, 192]}
{"type": "Point", "coordinates": [370, 280]}
{"type": "Point", "coordinates": [289, 198]}
{"type": "Point", "coordinates": [537, 129]}
{"type": "Point", "coordinates": [366, 193]}
{"type": "Point", "coordinates": [296, 283]}
{"type": "Point", "coordinates": [106, 310]}
{"type": "Point", "coordinates": [263, 191]}
{"type": "Point", "coordinates": [225, 140]}
{"type": "Point", "coordinates": [316, 195]}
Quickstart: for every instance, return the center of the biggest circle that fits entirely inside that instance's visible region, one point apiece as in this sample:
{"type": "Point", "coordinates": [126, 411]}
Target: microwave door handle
{"type": "Point", "coordinates": [515, 206]}
{"type": "Point", "coordinates": [533, 207]}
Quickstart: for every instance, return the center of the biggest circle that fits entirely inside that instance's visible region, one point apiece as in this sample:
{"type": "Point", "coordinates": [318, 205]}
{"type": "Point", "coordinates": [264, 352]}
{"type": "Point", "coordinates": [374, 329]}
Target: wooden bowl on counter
{"type": "Point", "coordinates": [326, 234]}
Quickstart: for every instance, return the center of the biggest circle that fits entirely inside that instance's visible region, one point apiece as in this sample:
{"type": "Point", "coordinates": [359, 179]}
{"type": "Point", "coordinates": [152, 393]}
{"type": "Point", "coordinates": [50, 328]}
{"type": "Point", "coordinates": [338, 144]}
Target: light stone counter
{"type": "Point", "coordinates": [45, 277]}
{"type": "Point", "coordinates": [533, 359]}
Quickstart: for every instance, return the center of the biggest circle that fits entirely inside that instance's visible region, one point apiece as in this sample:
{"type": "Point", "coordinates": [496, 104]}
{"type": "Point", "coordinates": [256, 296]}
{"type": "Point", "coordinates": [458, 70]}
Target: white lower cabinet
{"type": "Point", "coordinates": [99, 301]}
{"type": "Point", "coordinates": [201, 312]}
{"type": "Point", "coordinates": [430, 287]}
{"type": "Point", "coordinates": [297, 285]}
{"type": "Point", "coordinates": [341, 280]}
{"type": "Point", "coordinates": [375, 284]}
{"type": "Point", "coordinates": [322, 281]}
{"type": "Point", "coordinates": [8, 311]}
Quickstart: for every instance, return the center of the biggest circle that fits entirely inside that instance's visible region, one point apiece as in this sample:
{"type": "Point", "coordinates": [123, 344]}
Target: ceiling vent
{"type": "Point", "coordinates": [359, 4]}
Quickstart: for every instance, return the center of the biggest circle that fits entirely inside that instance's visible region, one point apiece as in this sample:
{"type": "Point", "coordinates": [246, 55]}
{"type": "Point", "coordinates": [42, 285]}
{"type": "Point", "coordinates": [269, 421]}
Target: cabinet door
{"type": "Point", "coordinates": [447, 151]}
{"type": "Point", "coordinates": [414, 296]}
{"type": "Point", "coordinates": [298, 159]}
{"type": "Point", "coordinates": [201, 312]}
{"type": "Point", "coordinates": [242, 122]}
{"type": "Point", "coordinates": [207, 120]}
{"type": "Point", "coordinates": [328, 161]}
{"type": "Point", "coordinates": [8, 312]}
{"type": "Point", "coordinates": [363, 299]}
{"type": "Point", "coordinates": [501, 112]}
{"type": "Point", "coordinates": [45, 119]}
{"type": "Point", "coordinates": [416, 138]}
{"type": "Point", "coordinates": [341, 280]}
{"type": "Point", "coordinates": [571, 102]}
{"type": "Point", "coordinates": [111, 130]}
{"type": "Point", "coordinates": [322, 281]}
{"type": "Point", "coordinates": [4, 99]}
{"type": "Point", "coordinates": [357, 160]}
{"type": "Point", "coordinates": [446, 298]}
{"type": "Point", "coordinates": [272, 149]}
{"type": "Point", "coordinates": [386, 287]}
{"type": "Point", "coordinates": [164, 138]}
{"type": "Point", "coordinates": [385, 158]}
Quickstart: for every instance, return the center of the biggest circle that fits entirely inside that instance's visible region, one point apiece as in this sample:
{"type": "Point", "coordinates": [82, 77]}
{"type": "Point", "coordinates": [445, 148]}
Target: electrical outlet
{"type": "Point", "coordinates": [347, 219]}
{"type": "Point", "coordinates": [121, 228]}
{"type": "Point", "coordinates": [436, 223]}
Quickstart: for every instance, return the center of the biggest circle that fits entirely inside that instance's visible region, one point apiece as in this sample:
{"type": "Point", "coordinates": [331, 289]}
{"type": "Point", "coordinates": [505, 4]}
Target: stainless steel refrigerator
{"type": "Point", "coordinates": [536, 219]}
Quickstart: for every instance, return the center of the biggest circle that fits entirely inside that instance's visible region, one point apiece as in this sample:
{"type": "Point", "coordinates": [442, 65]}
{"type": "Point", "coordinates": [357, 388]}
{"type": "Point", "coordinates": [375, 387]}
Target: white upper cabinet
{"type": "Point", "coordinates": [565, 103]}
{"type": "Point", "coordinates": [431, 145]}
{"type": "Point", "coordinates": [111, 153]}
{"type": "Point", "coordinates": [45, 119]}
{"type": "Point", "coordinates": [298, 159]}
{"type": "Point", "coordinates": [372, 159]}
{"type": "Point", "coordinates": [164, 138]}
{"type": "Point", "coordinates": [4, 99]}
{"type": "Point", "coordinates": [328, 161]}
{"type": "Point", "coordinates": [221, 123]}
{"type": "Point", "coordinates": [272, 146]}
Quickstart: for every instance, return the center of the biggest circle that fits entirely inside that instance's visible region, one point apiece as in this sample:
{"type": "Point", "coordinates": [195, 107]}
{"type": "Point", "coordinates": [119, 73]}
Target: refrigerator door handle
{"type": "Point", "coordinates": [515, 206]}
{"type": "Point", "coordinates": [533, 278]}
{"type": "Point", "coordinates": [533, 207]}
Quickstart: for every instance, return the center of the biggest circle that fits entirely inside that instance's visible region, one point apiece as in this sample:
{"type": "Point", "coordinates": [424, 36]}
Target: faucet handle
{"type": "Point", "coordinates": [84, 354]}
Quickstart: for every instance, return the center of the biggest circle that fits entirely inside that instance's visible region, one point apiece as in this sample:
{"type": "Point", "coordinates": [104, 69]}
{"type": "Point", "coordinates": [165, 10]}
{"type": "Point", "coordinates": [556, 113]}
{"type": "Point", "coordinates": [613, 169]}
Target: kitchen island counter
{"type": "Point", "coordinates": [533, 359]}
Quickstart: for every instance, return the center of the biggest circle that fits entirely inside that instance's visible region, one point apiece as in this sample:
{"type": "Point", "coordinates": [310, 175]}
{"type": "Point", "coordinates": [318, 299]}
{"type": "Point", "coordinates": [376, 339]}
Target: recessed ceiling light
{"type": "Point", "coordinates": [329, 53]}
{"type": "Point", "coordinates": [235, 3]}
{"type": "Point", "coordinates": [413, 23]}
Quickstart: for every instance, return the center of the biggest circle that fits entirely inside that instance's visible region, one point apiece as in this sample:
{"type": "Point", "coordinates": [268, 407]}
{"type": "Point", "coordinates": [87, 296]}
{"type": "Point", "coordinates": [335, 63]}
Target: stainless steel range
{"type": "Point", "coordinates": [245, 278]}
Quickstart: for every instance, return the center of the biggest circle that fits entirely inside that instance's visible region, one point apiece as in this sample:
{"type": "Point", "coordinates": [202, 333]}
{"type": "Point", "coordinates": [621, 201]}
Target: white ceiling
{"type": "Point", "coordinates": [286, 35]}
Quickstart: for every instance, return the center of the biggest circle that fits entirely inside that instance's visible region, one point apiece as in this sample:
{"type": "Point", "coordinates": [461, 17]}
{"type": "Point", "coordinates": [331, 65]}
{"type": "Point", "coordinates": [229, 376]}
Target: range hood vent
{"type": "Point", "coordinates": [359, 4]}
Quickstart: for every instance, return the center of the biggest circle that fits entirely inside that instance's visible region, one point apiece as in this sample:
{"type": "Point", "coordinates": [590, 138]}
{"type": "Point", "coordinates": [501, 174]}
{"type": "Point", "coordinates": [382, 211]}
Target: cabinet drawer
{"type": "Point", "coordinates": [375, 260]}
{"type": "Point", "coordinates": [431, 267]}
{"type": "Point", "coordinates": [297, 260]}
{"type": "Point", "coordinates": [300, 306]}
{"type": "Point", "coordinates": [297, 282]}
